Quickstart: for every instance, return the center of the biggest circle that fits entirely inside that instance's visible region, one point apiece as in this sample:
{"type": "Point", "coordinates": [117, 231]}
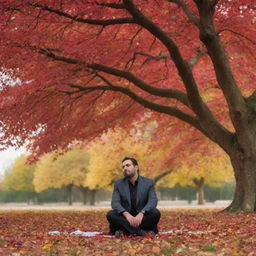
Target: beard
{"type": "Point", "coordinates": [130, 175]}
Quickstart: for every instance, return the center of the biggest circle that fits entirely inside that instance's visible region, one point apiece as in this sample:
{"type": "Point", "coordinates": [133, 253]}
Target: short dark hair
{"type": "Point", "coordinates": [134, 161]}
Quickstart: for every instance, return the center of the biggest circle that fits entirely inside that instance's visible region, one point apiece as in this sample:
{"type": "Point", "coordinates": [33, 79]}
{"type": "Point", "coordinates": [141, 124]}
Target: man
{"type": "Point", "coordinates": [133, 202]}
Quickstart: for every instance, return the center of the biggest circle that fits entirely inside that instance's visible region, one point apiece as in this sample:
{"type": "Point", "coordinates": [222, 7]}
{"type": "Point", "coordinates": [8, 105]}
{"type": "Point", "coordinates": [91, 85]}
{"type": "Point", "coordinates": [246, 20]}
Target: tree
{"type": "Point", "coordinates": [87, 66]}
{"type": "Point", "coordinates": [19, 176]}
{"type": "Point", "coordinates": [107, 152]}
{"type": "Point", "coordinates": [66, 171]}
{"type": "Point", "coordinates": [206, 170]}
{"type": "Point", "coordinates": [194, 161]}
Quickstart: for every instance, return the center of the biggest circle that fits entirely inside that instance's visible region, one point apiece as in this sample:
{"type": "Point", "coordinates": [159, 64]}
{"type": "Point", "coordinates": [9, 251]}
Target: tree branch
{"type": "Point", "coordinates": [184, 70]}
{"type": "Point", "coordinates": [156, 91]}
{"type": "Point", "coordinates": [126, 20]}
{"type": "Point", "coordinates": [214, 3]}
{"type": "Point", "coordinates": [161, 92]}
{"type": "Point", "coordinates": [199, 182]}
{"type": "Point", "coordinates": [191, 15]}
{"type": "Point", "coordinates": [151, 57]}
{"type": "Point", "coordinates": [160, 176]}
{"type": "Point", "coordinates": [112, 5]}
{"type": "Point", "coordinates": [217, 132]}
{"type": "Point", "coordinates": [232, 93]}
{"type": "Point", "coordinates": [193, 61]}
{"type": "Point", "coordinates": [172, 111]}
{"type": "Point", "coordinates": [238, 34]}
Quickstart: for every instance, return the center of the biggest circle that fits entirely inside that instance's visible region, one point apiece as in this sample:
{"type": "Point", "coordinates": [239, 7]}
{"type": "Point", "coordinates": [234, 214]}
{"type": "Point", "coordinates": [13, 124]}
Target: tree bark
{"type": "Point", "coordinates": [69, 194]}
{"type": "Point", "coordinates": [35, 198]}
{"type": "Point", "coordinates": [200, 189]}
{"type": "Point", "coordinates": [84, 191]}
{"type": "Point", "coordinates": [244, 165]}
{"type": "Point", "coordinates": [93, 196]}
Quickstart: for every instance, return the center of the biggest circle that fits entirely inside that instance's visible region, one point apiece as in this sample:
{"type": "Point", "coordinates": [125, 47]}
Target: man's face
{"type": "Point", "coordinates": [129, 169]}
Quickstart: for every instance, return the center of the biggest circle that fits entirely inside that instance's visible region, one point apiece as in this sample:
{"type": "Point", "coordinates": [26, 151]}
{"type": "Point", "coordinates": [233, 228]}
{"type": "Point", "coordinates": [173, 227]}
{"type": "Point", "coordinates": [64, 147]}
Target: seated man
{"type": "Point", "coordinates": [134, 203]}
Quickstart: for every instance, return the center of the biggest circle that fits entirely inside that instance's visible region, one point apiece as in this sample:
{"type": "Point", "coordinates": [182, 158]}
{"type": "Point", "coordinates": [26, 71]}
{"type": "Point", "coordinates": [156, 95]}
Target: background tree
{"type": "Point", "coordinates": [19, 177]}
{"type": "Point", "coordinates": [107, 152]}
{"type": "Point", "coordinates": [206, 170]}
{"type": "Point", "coordinates": [66, 170]}
{"type": "Point", "coordinates": [194, 160]}
{"type": "Point", "coordinates": [193, 60]}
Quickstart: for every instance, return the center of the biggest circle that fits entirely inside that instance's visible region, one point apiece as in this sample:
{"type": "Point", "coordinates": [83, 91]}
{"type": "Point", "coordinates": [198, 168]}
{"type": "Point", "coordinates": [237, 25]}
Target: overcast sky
{"type": "Point", "coordinates": [7, 157]}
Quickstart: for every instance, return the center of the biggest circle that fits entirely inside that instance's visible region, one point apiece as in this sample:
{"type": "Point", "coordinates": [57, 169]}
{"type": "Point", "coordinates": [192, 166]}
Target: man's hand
{"type": "Point", "coordinates": [138, 219]}
{"type": "Point", "coordinates": [129, 218]}
{"type": "Point", "coordinates": [134, 221]}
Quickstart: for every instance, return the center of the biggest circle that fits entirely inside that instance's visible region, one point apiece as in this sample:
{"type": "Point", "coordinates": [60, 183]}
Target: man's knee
{"type": "Point", "coordinates": [113, 215]}
{"type": "Point", "coordinates": [155, 212]}
{"type": "Point", "coordinates": [110, 215]}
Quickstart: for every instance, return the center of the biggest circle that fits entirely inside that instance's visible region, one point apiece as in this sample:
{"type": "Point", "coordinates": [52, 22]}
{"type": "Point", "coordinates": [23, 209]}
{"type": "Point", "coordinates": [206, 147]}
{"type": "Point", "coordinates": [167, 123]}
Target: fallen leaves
{"type": "Point", "coordinates": [26, 233]}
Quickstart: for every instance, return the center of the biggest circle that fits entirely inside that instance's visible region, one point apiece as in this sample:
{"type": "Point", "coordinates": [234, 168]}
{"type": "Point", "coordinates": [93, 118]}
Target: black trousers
{"type": "Point", "coordinates": [119, 222]}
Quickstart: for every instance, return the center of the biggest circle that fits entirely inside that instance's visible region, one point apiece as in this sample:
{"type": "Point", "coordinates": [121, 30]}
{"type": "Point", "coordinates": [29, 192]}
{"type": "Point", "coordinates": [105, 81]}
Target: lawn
{"type": "Point", "coordinates": [192, 232]}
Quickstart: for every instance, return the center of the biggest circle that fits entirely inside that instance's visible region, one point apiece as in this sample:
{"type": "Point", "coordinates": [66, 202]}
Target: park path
{"type": "Point", "coordinates": [177, 204]}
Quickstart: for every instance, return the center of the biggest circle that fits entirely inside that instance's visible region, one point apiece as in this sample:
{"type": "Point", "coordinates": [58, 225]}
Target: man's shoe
{"type": "Point", "coordinates": [119, 233]}
{"type": "Point", "coordinates": [143, 232]}
{"type": "Point", "coordinates": [151, 232]}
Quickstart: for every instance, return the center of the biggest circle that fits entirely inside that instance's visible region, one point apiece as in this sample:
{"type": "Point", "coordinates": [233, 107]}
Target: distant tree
{"type": "Point", "coordinates": [19, 176]}
{"type": "Point", "coordinates": [206, 170]}
{"type": "Point", "coordinates": [107, 152]}
{"type": "Point", "coordinates": [66, 170]}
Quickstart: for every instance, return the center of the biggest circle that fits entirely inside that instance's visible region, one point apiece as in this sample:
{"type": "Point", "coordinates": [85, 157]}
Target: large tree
{"type": "Point", "coordinates": [85, 66]}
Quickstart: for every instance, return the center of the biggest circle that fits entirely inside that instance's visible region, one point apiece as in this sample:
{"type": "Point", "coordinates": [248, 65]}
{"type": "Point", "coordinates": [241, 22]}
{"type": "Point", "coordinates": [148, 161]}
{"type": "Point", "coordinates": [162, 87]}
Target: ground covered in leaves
{"type": "Point", "coordinates": [195, 232]}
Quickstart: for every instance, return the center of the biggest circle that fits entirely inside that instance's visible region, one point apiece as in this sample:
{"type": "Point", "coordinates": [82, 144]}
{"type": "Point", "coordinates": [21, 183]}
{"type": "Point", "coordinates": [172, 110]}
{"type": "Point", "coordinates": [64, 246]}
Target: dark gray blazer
{"type": "Point", "coordinates": [146, 195]}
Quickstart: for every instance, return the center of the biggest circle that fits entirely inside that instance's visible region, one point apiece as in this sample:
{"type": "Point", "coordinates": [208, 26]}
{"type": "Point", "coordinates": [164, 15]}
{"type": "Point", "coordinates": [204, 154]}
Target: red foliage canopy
{"type": "Point", "coordinates": [86, 66]}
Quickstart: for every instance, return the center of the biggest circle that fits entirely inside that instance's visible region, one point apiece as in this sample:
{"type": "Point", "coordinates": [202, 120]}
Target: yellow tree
{"type": "Point", "coordinates": [107, 151]}
{"type": "Point", "coordinates": [190, 161]}
{"type": "Point", "coordinates": [211, 170]}
{"type": "Point", "coordinates": [65, 171]}
{"type": "Point", "coordinates": [19, 176]}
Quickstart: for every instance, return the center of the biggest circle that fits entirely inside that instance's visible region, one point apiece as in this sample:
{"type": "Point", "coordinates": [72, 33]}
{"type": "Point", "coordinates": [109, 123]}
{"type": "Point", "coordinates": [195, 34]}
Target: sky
{"type": "Point", "coordinates": [7, 157]}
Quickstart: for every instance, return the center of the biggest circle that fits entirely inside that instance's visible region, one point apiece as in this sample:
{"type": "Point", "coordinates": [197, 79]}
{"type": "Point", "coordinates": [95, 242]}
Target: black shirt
{"type": "Point", "coordinates": [133, 194]}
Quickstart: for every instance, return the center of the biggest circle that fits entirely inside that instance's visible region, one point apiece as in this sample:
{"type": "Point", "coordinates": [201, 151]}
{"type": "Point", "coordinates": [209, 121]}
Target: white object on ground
{"type": "Point", "coordinates": [54, 233]}
{"type": "Point", "coordinates": [82, 233]}
{"type": "Point", "coordinates": [94, 233]}
{"type": "Point", "coordinates": [182, 231]}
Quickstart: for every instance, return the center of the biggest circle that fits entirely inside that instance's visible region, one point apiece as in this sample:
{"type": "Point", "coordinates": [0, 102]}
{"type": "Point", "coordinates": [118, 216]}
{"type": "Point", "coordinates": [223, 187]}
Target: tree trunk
{"type": "Point", "coordinates": [200, 189]}
{"type": "Point", "coordinates": [93, 196]}
{"type": "Point", "coordinates": [245, 174]}
{"type": "Point", "coordinates": [84, 191]}
{"type": "Point", "coordinates": [161, 194]}
{"type": "Point", "coordinates": [69, 194]}
{"type": "Point", "coordinates": [35, 198]}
